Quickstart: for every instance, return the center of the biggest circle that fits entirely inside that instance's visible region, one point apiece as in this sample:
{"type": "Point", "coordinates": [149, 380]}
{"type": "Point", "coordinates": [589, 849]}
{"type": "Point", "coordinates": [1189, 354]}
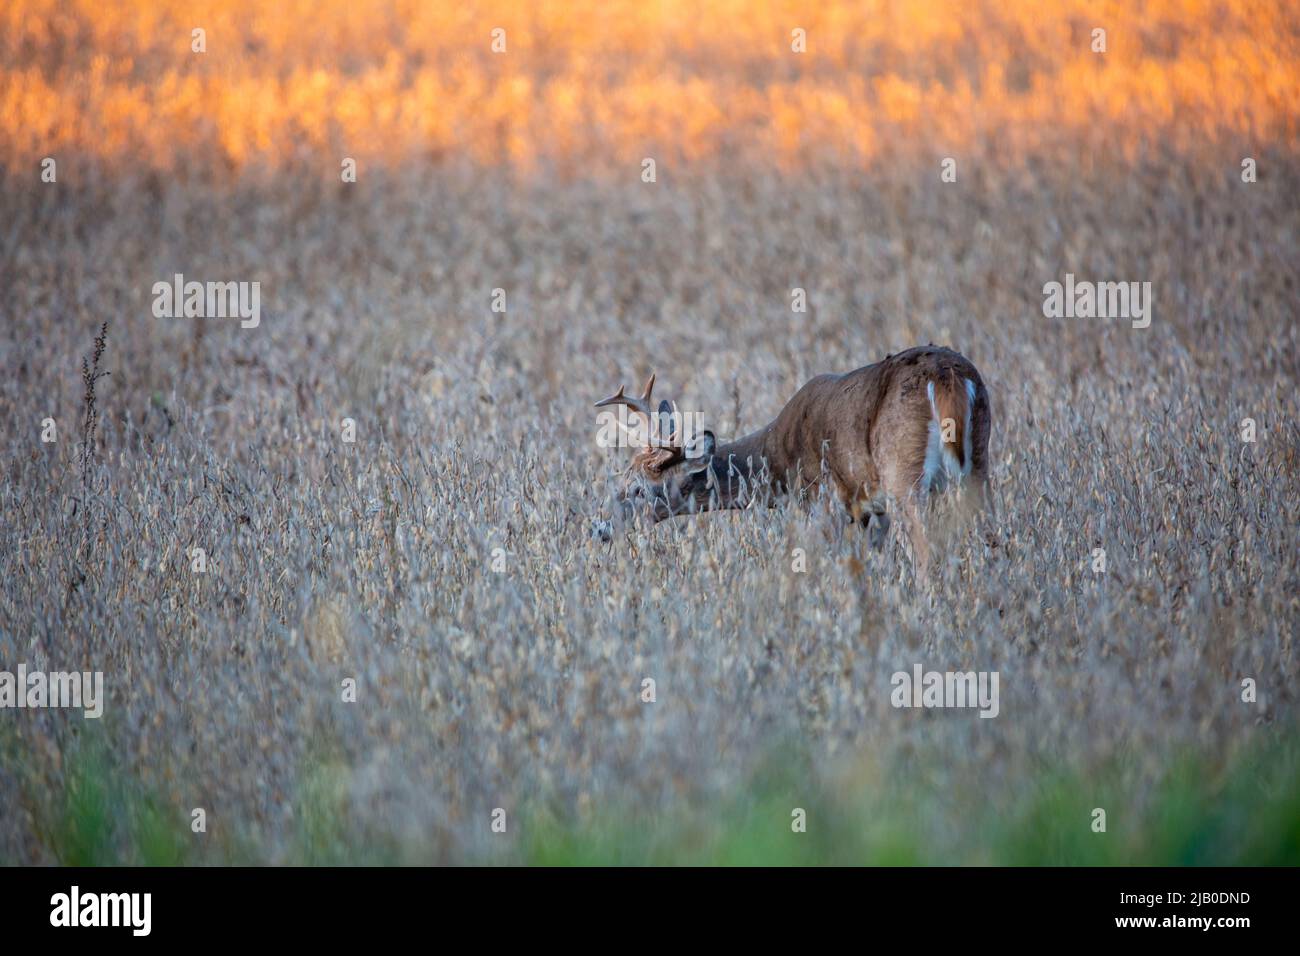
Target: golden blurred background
{"type": "Point", "coordinates": [588, 87]}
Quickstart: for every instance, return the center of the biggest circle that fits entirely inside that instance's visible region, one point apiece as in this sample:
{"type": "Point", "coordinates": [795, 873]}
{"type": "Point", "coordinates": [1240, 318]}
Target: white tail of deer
{"type": "Point", "coordinates": [895, 433]}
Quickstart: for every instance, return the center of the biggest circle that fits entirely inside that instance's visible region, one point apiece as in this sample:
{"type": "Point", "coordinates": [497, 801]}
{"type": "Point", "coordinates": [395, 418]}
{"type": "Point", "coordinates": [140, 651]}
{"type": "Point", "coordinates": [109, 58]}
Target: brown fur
{"type": "Point", "coordinates": [871, 426]}
{"type": "Point", "coordinates": [868, 428]}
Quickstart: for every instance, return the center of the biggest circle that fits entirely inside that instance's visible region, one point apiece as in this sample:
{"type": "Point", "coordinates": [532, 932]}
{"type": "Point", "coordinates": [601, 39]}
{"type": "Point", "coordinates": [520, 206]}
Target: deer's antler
{"type": "Point", "coordinates": [640, 406]}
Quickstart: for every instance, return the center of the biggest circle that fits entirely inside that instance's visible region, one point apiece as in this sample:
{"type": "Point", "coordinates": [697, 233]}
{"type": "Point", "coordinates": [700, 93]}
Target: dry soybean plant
{"type": "Point", "coordinates": [334, 561]}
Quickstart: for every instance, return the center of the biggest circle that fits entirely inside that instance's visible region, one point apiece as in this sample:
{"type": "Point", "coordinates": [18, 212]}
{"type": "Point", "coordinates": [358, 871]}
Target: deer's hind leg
{"type": "Point", "coordinates": [906, 484]}
{"type": "Point", "coordinates": [914, 502]}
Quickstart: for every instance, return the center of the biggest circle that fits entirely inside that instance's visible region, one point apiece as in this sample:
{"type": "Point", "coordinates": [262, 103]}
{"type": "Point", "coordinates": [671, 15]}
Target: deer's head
{"type": "Point", "coordinates": [663, 479]}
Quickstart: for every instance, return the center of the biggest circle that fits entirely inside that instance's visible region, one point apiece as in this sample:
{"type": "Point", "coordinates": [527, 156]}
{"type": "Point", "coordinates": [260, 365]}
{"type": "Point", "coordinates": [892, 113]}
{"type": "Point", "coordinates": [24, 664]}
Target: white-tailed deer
{"type": "Point", "coordinates": [901, 430]}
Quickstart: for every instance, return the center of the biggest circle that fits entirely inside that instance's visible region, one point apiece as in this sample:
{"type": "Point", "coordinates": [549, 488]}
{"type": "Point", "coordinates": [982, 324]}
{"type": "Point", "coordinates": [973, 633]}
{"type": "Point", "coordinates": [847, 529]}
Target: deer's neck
{"type": "Point", "coordinates": [750, 454]}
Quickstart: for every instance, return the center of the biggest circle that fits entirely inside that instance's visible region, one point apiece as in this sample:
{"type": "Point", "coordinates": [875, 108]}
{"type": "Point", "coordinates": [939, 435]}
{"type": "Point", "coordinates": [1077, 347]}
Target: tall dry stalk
{"type": "Point", "coordinates": [90, 374]}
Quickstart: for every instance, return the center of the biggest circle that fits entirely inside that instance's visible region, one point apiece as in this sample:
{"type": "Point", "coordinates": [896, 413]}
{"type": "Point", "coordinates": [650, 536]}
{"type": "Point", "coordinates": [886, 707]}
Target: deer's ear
{"type": "Point", "coordinates": [705, 447]}
{"type": "Point", "coordinates": [667, 424]}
